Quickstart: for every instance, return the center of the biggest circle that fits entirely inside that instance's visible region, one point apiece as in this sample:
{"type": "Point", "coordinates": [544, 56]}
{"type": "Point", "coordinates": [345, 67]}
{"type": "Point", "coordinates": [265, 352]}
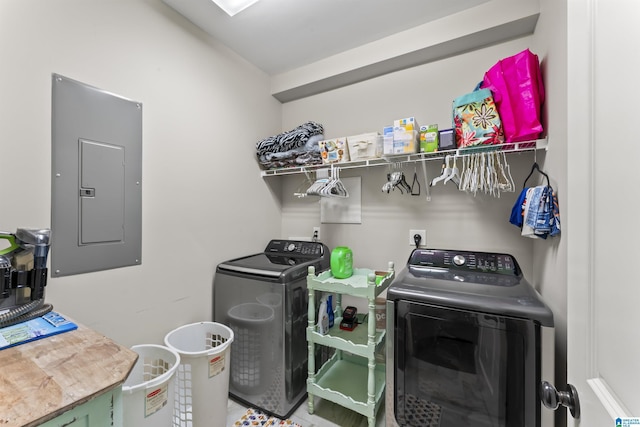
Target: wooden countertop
{"type": "Point", "coordinates": [42, 379]}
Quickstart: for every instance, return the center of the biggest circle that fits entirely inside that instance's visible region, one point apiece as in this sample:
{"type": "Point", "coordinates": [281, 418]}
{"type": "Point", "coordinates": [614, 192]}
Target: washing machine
{"type": "Point", "coordinates": [463, 342]}
{"type": "Point", "coordinates": [263, 298]}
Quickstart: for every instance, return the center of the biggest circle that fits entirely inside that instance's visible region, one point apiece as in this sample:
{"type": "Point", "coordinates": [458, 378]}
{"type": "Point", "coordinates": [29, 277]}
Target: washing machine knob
{"type": "Point", "coordinates": [291, 247]}
{"type": "Point", "coordinates": [459, 260]}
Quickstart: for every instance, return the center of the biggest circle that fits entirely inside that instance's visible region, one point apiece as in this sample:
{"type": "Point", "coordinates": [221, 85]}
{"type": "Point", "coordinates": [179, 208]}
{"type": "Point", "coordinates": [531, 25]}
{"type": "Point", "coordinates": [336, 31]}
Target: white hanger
{"type": "Point", "coordinates": [317, 186]}
{"type": "Point", "coordinates": [446, 170]}
{"type": "Point", "coordinates": [334, 187]}
{"type": "Point", "coordinates": [426, 179]}
{"type": "Point", "coordinates": [474, 179]}
{"type": "Point", "coordinates": [507, 183]}
{"type": "Point", "coordinates": [486, 171]}
{"type": "Point", "coordinates": [307, 182]}
{"type": "Point", "coordinates": [466, 173]}
{"type": "Point", "coordinates": [454, 174]}
{"type": "Point", "coordinates": [489, 174]}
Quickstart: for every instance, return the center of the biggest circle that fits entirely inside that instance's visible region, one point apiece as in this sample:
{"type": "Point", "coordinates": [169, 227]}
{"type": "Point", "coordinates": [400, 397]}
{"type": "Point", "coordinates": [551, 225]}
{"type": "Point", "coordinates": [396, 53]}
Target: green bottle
{"type": "Point", "coordinates": [341, 262]}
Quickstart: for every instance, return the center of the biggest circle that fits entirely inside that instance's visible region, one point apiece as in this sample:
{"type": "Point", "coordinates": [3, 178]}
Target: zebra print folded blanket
{"type": "Point", "coordinates": [296, 147]}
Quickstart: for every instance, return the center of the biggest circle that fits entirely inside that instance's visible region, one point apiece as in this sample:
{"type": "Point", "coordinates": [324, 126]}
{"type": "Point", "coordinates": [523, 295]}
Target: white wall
{"type": "Point", "coordinates": [452, 219]}
{"type": "Point", "coordinates": [550, 257]}
{"type": "Point", "coordinates": [203, 110]}
{"type": "Point", "coordinates": [603, 249]}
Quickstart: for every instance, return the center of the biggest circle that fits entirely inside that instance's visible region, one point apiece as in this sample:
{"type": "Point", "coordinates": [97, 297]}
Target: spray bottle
{"type": "Point", "coordinates": [323, 317]}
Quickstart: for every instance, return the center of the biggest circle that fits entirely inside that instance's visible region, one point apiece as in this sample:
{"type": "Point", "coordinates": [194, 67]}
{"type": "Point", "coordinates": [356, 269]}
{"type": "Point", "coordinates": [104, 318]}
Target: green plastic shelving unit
{"type": "Point", "coordinates": [351, 377]}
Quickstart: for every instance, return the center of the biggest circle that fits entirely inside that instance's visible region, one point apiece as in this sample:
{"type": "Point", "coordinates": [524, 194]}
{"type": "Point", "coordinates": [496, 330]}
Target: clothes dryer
{"type": "Point", "coordinates": [263, 298]}
{"type": "Point", "coordinates": [463, 342]}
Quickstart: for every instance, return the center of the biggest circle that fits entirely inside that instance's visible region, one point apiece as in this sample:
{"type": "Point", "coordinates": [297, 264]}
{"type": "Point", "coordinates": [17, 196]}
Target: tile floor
{"type": "Point", "coordinates": [326, 414]}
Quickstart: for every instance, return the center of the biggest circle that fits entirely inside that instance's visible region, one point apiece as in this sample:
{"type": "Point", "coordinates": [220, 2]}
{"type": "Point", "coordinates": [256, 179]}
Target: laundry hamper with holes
{"type": "Point", "coordinates": [202, 379]}
{"type": "Point", "coordinates": [251, 355]}
{"type": "Point", "coordinates": [148, 392]}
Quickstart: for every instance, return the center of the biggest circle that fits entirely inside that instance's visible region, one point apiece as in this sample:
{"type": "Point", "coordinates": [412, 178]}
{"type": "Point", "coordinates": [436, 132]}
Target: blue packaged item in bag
{"type": "Point", "coordinates": [330, 310]}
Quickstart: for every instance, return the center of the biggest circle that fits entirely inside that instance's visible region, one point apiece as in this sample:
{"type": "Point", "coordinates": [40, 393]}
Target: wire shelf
{"type": "Point", "coordinates": [511, 147]}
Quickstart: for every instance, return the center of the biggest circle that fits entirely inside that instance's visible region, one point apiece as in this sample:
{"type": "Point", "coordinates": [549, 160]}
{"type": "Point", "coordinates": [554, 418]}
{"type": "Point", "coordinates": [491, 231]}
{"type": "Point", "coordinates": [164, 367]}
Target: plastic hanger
{"type": "Point", "coordinates": [508, 170]}
{"type": "Point", "coordinates": [426, 180]}
{"type": "Point", "coordinates": [335, 188]}
{"type": "Point", "coordinates": [415, 181]}
{"type": "Point", "coordinates": [492, 175]}
{"type": "Point", "coordinates": [535, 167]}
{"type": "Point", "coordinates": [307, 182]}
{"type": "Point", "coordinates": [402, 182]}
{"type": "Point", "coordinates": [505, 180]}
{"type": "Point", "coordinates": [329, 187]}
{"type": "Point", "coordinates": [388, 186]}
{"type": "Point", "coordinates": [446, 170]}
{"type": "Point", "coordinates": [466, 174]}
{"type": "Point", "coordinates": [474, 178]}
{"type": "Point", "coordinates": [482, 167]}
{"type": "Point", "coordinates": [454, 174]}
{"type": "Point", "coordinates": [397, 179]}
{"type": "Point", "coordinates": [319, 184]}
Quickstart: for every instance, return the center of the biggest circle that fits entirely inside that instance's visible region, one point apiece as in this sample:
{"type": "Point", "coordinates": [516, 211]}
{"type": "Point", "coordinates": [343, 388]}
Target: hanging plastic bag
{"type": "Point", "coordinates": [536, 212]}
{"type": "Point", "coordinates": [476, 119]}
{"type": "Point", "coordinates": [518, 91]}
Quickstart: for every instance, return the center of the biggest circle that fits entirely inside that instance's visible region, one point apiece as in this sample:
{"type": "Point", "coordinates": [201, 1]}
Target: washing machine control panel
{"type": "Point", "coordinates": [295, 247]}
{"type": "Point", "coordinates": [466, 261]}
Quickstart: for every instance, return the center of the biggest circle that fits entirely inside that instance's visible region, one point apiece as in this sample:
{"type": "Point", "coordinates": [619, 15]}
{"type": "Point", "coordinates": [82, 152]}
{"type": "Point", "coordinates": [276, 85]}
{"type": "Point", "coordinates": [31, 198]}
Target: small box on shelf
{"type": "Point", "coordinates": [334, 150]}
{"type": "Point", "coordinates": [364, 146]}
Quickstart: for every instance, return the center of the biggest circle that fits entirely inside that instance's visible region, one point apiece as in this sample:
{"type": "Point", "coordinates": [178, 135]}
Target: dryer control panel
{"type": "Point", "coordinates": [466, 261]}
{"type": "Point", "coordinates": [296, 247]}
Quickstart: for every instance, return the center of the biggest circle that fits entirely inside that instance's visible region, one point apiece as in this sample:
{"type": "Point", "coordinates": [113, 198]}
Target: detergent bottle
{"type": "Point", "coordinates": [341, 262]}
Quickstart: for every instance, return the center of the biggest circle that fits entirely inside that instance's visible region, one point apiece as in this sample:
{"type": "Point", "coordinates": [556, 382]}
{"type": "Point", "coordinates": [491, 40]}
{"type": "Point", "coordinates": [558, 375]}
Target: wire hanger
{"type": "Point", "coordinates": [534, 168]}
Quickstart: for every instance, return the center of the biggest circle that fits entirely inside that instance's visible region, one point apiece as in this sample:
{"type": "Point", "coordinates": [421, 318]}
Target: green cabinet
{"type": "Point", "coordinates": [352, 377]}
{"type": "Point", "coordinates": [104, 410]}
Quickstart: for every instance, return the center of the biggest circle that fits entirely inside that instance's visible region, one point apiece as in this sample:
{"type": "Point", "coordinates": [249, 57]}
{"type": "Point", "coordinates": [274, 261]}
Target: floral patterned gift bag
{"type": "Point", "coordinates": [476, 120]}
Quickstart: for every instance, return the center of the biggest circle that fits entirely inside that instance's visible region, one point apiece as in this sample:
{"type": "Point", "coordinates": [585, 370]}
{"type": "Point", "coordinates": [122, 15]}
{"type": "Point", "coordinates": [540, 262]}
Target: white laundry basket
{"type": "Point", "coordinates": [202, 379]}
{"type": "Point", "coordinates": [148, 392]}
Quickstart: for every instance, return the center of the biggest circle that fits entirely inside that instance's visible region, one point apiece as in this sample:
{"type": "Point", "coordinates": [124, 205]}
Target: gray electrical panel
{"type": "Point", "coordinates": [96, 194]}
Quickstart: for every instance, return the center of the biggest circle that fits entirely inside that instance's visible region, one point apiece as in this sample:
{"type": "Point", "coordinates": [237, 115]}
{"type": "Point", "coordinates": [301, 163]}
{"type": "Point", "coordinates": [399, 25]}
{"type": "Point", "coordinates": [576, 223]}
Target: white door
{"type": "Point", "coordinates": [603, 325]}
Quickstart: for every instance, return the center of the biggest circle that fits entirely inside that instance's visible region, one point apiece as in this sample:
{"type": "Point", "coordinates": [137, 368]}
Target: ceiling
{"type": "Point", "coordinates": [313, 46]}
{"type": "Point", "coordinates": [281, 35]}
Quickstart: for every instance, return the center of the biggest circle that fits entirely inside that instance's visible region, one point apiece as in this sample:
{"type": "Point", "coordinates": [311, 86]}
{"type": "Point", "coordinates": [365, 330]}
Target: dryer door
{"type": "Point", "coordinates": [462, 368]}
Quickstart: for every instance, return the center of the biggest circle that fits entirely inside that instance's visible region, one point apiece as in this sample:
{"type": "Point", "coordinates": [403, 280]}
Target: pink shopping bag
{"type": "Point", "coordinates": [518, 91]}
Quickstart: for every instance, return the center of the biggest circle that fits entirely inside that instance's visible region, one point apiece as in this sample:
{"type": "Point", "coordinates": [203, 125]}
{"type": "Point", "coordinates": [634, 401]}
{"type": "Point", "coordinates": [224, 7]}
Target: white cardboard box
{"type": "Point", "coordinates": [364, 146]}
{"type": "Point", "coordinates": [407, 124]}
